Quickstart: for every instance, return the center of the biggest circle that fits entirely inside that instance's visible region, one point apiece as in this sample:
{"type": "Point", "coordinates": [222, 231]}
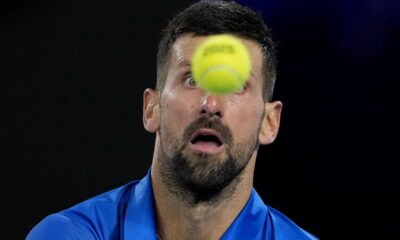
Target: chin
{"type": "Point", "coordinates": [204, 159]}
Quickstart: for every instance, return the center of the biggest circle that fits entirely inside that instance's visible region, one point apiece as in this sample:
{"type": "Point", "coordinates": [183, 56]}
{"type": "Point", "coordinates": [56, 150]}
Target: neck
{"type": "Point", "coordinates": [205, 220]}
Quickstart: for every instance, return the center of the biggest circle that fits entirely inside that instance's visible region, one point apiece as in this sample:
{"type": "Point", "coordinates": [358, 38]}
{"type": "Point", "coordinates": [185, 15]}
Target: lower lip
{"type": "Point", "coordinates": [206, 147]}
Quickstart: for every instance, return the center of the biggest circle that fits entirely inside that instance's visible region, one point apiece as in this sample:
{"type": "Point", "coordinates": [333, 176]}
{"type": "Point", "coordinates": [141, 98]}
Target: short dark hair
{"type": "Point", "coordinates": [215, 17]}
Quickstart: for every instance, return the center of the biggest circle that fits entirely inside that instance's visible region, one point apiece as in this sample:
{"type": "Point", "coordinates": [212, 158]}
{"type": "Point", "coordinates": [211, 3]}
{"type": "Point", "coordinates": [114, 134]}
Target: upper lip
{"type": "Point", "coordinates": [209, 132]}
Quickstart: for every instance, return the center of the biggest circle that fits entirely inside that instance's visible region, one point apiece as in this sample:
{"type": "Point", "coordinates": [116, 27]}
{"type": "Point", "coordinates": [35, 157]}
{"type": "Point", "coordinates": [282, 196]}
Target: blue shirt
{"type": "Point", "coordinates": [128, 213]}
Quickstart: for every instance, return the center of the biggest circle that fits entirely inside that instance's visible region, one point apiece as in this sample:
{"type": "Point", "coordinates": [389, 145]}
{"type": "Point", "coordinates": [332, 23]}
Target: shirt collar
{"type": "Point", "coordinates": [140, 219]}
{"type": "Point", "coordinates": [251, 220]}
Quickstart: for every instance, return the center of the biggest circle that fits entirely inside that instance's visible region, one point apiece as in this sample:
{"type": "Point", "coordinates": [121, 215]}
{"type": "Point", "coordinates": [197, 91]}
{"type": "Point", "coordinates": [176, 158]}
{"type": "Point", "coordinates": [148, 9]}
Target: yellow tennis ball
{"type": "Point", "coordinates": [221, 64]}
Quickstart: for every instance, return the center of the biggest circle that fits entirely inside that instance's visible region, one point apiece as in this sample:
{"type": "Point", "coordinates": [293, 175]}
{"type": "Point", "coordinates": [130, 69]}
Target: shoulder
{"type": "Point", "coordinates": [58, 227]}
{"type": "Point", "coordinates": [96, 218]}
{"type": "Point", "coordinates": [284, 228]}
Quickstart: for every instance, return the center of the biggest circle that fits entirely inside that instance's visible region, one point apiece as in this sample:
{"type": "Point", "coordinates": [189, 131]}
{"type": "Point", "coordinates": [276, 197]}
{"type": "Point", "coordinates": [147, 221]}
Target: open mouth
{"type": "Point", "coordinates": [206, 141]}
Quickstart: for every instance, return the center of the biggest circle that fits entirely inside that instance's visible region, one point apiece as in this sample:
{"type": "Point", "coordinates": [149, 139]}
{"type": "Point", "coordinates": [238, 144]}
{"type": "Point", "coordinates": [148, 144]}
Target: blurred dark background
{"type": "Point", "coordinates": [74, 72]}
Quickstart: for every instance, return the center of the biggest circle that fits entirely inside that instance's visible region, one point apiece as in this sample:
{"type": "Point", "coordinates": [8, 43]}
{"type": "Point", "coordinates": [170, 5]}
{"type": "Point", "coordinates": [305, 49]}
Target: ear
{"type": "Point", "coordinates": [151, 110]}
{"type": "Point", "coordinates": [270, 122]}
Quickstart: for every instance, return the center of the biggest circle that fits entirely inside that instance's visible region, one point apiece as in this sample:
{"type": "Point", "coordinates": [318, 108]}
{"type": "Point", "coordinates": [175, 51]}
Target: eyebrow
{"type": "Point", "coordinates": [184, 63]}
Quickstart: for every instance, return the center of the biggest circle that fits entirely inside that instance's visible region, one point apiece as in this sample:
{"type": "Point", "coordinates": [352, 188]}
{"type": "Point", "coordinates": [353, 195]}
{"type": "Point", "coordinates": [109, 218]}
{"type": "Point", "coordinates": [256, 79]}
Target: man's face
{"type": "Point", "coordinates": [207, 140]}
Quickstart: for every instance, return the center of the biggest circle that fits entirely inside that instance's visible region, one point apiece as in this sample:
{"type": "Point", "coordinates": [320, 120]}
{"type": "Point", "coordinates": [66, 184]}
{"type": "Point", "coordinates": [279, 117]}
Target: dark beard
{"type": "Point", "coordinates": [198, 178]}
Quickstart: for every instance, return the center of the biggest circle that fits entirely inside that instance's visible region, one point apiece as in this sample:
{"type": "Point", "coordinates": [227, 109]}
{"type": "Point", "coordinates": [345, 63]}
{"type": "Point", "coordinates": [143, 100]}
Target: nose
{"type": "Point", "coordinates": [211, 105]}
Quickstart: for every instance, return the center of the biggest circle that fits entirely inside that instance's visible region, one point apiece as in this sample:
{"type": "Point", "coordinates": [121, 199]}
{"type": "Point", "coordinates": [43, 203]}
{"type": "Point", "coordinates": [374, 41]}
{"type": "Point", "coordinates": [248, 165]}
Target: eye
{"type": "Point", "coordinates": [190, 82]}
{"type": "Point", "coordinates": [242, 89]}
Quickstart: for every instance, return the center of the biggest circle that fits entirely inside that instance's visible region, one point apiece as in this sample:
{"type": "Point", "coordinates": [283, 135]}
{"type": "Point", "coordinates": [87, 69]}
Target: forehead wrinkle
{"type": "Point", "coordinates": [182, 57]}
{"type": "Point", "coordinates": [183, 49]}
{"type": "Point", "coordinates": [183, 62]}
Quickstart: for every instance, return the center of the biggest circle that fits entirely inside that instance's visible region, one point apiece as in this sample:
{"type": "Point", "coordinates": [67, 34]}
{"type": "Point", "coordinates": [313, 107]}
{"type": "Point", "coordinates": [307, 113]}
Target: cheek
{"type": "Point", "coordinates": [245, 121]}
{"type": "Point", "coordinates": [175, 113]}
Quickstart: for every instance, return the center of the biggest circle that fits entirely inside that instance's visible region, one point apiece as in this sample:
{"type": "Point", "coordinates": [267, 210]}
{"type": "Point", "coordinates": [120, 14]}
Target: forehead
{"type": "Point", "coordinates": [185, 45]}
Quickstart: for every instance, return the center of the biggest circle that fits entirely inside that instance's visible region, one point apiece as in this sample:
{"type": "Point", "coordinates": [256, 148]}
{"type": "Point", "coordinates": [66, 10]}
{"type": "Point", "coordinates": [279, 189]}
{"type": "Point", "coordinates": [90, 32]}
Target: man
{"type": "Point", "coordinates": [200, 185]}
